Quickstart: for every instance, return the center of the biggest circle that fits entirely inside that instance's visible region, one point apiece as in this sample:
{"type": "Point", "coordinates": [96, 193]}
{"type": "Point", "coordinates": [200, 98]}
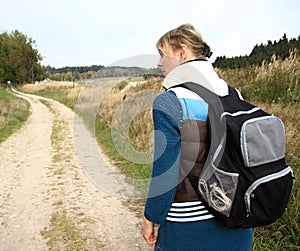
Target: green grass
{"type": "Point", "coordinates": [276, 88]}
{"type": "Point", "coordinates": [60, 96]}
{"type": "Point", "coordinates": [14, 112]}
{"type": "Point", "coordinates": [132, 170]}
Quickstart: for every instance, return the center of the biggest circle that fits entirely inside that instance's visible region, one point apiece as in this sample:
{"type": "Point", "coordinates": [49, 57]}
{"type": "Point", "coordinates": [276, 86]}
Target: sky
{"type": "Point", "coordinates": [103, 32]}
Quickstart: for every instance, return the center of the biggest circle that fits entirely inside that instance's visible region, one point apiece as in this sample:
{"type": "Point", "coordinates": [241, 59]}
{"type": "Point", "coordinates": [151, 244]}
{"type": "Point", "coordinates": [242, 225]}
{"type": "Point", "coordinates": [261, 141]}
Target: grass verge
{"type": "Point", "coordinates": [14, 111]}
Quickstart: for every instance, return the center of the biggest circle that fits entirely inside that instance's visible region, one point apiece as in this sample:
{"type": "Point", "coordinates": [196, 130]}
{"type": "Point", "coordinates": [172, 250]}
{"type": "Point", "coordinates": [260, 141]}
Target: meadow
{"type": "Point", "coordinates": [273, 86]}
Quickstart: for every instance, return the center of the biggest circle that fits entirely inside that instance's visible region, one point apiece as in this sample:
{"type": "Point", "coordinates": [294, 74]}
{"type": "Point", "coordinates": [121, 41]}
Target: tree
{"type": "Point", "coordinates": [3, 56]}
{"type": "Point", "coordinates": [20, 60]}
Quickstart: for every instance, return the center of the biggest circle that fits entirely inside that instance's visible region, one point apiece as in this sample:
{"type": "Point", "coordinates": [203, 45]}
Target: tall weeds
{"type": "Point", "coordinates": [65, 92]}
{"type": "Point", "coordinates": [276, 82]}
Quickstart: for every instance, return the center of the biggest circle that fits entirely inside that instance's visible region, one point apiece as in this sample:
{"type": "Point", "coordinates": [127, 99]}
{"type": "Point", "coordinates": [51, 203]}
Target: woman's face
{"type": "Point", "coordinates": [169, 59]}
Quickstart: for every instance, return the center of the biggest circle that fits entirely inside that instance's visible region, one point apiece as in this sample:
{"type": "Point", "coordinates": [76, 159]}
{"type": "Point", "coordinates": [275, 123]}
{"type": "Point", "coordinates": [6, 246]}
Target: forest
{"type": "Point", "coordinates": [260, 53]}
{"type": "Point", "coordinates": [20, 61]}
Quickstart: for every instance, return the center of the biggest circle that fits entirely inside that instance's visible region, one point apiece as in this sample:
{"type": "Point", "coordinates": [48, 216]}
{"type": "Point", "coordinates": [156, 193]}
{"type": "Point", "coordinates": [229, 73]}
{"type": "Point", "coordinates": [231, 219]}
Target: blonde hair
{"type": "Point", "coordinates": [188, 35]}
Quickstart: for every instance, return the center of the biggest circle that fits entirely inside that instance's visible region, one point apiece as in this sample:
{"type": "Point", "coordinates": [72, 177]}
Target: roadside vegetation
{"type": "Point", "coordinates": [14, 112]}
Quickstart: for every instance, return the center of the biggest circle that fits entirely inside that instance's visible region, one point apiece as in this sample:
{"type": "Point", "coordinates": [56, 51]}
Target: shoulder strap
{"type": "Point", "coordinates": [203, 92]}
{"type": "Point", "coordinates": [217, 125]}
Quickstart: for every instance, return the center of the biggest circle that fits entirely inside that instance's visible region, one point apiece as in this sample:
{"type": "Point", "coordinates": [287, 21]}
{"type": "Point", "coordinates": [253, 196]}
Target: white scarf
{"type": "Point", "coordinates": [200, 72]}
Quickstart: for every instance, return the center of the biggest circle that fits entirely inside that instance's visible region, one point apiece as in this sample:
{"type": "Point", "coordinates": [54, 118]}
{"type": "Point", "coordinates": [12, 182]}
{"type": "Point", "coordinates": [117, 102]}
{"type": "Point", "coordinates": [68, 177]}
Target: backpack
{"type": "Point", "coordinates": [245, 181]}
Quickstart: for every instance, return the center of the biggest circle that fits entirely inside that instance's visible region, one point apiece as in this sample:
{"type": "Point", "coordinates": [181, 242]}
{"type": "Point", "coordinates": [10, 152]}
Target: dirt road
{"type": "Point", "coordinates": [47, 202]}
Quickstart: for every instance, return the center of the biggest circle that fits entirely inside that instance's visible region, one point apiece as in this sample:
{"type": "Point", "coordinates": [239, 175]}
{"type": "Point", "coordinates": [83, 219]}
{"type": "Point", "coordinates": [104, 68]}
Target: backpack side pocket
{"type": "Point", "coordinates": [218, 188]}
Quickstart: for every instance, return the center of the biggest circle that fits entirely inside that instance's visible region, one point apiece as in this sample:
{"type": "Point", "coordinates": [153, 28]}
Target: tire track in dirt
{"type": "Point", "coordinates": [24, 157]}
{"type": "Point", "coordinates": [43, 188]}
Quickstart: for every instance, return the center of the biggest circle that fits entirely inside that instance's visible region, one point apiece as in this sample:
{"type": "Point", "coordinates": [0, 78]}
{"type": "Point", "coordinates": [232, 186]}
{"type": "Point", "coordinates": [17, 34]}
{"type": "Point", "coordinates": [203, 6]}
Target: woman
{"type": "Point", "coordinates": [180, 124]}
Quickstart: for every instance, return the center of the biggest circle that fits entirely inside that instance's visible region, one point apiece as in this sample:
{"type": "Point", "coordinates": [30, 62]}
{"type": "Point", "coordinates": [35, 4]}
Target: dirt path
{"type": "Point", "coordinates": [47, 202]}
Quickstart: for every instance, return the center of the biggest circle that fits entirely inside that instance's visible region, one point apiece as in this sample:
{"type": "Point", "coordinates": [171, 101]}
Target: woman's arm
{"type": "Point", "coordinates": [164, 181]}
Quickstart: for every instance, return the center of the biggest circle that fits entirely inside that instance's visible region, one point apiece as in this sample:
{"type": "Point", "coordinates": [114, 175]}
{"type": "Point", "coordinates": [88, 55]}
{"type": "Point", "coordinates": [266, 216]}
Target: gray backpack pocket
{"type": "Point", "coordinates": [262, 140]}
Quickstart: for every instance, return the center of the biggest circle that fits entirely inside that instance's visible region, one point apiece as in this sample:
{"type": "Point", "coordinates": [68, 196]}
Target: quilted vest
{"type": "Point", "coordinates": [194, 142]}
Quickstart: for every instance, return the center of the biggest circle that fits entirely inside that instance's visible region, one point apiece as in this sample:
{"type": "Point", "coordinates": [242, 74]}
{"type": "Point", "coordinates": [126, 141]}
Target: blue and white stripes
{"type": "Point", "coordinates": [193, 106]}
{"type": "Point", "coordinates": [188, 212]}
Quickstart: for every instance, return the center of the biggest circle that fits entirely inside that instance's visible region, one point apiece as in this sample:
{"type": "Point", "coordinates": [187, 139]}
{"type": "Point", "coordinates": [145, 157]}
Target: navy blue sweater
{"type": "Point", "coordinates": [163, 186]}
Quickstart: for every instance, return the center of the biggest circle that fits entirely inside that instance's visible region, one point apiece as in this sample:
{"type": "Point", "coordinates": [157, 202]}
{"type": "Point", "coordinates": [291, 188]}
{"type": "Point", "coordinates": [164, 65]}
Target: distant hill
{"type": "Point", "coordinates": [79, 69]}
{"type": "Point", "coordinates": [260, 53]}
{"type": "Point", "coordinates": [71, 73]}
{"type": "Point", "coordinates": [122, 71]}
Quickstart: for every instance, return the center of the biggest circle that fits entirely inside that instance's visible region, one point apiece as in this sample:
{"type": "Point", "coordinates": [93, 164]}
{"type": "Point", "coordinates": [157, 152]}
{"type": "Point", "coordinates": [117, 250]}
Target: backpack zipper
{"type": "Point", "coordinates": [235, 114]}
{"type": "Point", "coordinates": [268, 178]}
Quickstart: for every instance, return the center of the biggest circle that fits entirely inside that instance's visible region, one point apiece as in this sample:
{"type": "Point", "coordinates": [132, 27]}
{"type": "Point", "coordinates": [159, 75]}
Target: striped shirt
{"type": "Point", "coordinates": [188, 212]}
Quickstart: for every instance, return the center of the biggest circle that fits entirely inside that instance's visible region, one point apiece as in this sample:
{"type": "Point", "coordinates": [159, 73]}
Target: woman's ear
{"type": "Point", "coordinates": [184, 53]}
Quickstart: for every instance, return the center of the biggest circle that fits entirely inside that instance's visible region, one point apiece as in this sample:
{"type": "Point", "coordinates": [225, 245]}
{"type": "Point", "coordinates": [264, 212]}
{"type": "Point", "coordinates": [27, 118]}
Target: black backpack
{"type": "Point", "coordinates": [245, 181]}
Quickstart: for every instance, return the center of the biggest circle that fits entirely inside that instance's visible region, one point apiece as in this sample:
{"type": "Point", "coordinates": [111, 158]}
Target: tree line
{"type": "Point", "coordinates": [19, 59]}
{"type": "Point", "coordinates": [92, 72]}
{"type": "Point", "coordinates": [79, 69]}
{"type": "Point", "coordinates": [261, 53]}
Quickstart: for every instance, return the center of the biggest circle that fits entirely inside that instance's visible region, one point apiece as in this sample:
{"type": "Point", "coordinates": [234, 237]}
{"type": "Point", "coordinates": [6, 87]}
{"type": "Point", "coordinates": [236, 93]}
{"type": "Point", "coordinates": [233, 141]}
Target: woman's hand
{"type": "Point", "coordinates": [147, 230]}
